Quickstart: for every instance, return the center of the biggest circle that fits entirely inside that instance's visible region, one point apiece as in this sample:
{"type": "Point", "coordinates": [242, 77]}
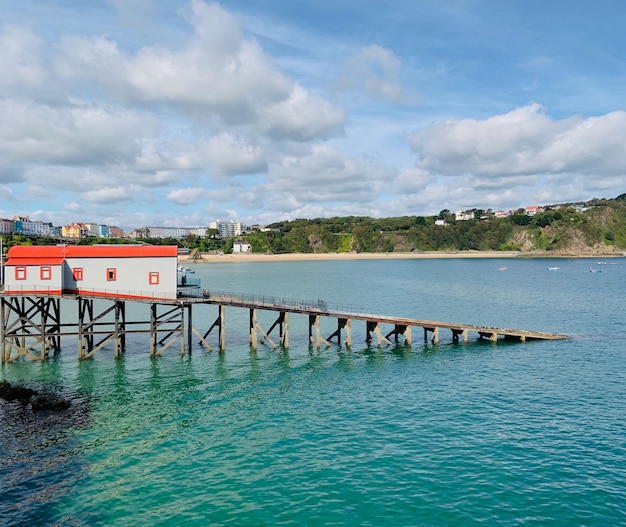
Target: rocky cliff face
{"type": "Point", "coordinates": [561, 242]}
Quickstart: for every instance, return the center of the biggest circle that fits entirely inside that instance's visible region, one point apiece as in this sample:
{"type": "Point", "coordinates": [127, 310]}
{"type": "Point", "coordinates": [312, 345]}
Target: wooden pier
{"type": "Point", "coordinates": [32, 325]}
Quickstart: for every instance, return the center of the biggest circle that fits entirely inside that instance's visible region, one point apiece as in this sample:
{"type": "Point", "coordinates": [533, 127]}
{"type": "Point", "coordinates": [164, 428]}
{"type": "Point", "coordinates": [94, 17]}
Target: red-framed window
{"type": "Point", "coordinates": [153, 278]}
{"type": "Point", "coordinates": [45, 272]}
{"type": "Point", "coordinates": [77, 273]}
{"type": "Point", "coordinates": [20, 272]}
{"type": "Point", "coordinates": [111, 274]}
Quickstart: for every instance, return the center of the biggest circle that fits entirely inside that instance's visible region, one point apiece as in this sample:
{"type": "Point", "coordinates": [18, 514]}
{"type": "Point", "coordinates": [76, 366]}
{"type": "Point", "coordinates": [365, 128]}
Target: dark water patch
{"type": "Point", "coordinates": [37, 445]}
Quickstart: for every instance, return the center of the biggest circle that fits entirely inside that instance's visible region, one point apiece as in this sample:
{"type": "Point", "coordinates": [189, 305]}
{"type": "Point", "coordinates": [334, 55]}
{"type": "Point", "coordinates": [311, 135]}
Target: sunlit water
{"type": "Point", "coordinates": [449, 434]}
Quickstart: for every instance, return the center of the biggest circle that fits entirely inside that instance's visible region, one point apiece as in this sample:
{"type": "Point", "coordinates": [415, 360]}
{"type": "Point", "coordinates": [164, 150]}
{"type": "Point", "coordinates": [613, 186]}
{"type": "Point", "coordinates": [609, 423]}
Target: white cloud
{"type": "Point", "coordinates": [412, 180]}
{"type": "Point", "coordinates": [73, 207]}
{"type": "Point", "coordinates": [111, 195]}
{"type": "Point", "coordinates": [186, 196]}
{"type": "Point", "coordinates": [327, 175]}
{"type": "Point", "coordinates": [375, 70]}
{"type": "Point", "coordinates": [75, 134]}
{"type": "Point", "coordinates": [219, 73]}
{"type": "Point", "coordinates": [302, 118]}
{"type": "Point", "coordinates": [23, 70]}
{"type": "Point", "coordinates": [231, 155]}
{"type": "Point", "coordinates": [524, 141]}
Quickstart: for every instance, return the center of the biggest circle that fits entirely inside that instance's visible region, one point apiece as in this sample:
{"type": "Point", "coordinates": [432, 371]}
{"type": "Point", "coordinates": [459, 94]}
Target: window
{"type": "Point", "coordinates": [153, 278]}
{"type": "Point", "coordinates": [77, 273]}
{"type": "Point", "coordinates": [111, 274]}
{"type": "Point", "coordinates": [20, 273]}
{"type": "Point", "coordinates": [45, 272]}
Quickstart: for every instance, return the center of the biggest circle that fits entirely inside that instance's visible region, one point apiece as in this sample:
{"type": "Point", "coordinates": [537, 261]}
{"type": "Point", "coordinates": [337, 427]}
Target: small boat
{"type": "Point", "coordinates": [554, 268]}
{"type": "Point", "coordinates": [185, 269]}
{"type": "Point", "coordinates": [596, 270]}
{"type": "Point", "coordinates": [502, 268]}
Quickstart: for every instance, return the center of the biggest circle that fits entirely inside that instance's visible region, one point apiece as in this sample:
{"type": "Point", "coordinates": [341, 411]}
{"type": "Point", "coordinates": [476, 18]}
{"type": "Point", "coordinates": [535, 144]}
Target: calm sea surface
{"type": "Point", "coordinates": [444, 435]}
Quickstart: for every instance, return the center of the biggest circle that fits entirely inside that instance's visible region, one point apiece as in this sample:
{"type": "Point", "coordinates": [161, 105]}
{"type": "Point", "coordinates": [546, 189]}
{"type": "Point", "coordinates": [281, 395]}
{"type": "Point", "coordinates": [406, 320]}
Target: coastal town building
{"type": "Point", "coordinates": [23, 225]}
{"type": "Point", "coordinates": [7, 226]}
{"type": "Point", "coordinates": [227, 229]}
{"type": "Point", "coordinates": [75, 230]}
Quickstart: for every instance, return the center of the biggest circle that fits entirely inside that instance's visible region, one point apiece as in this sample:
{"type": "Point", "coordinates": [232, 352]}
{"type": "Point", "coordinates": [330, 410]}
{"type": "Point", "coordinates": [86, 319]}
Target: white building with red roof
{"type": "Point", "coordinates": [122, 271]}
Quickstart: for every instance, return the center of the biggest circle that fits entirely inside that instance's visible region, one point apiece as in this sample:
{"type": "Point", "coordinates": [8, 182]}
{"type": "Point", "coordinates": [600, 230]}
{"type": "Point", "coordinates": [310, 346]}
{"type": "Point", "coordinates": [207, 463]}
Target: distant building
{"type": "Point", "coordinates": [533, 209]}
{"type": "Point", "coordinates": [177, 233]}
{"type": "Point", "coordinates": [441, 222]}
{"type": "Point", "coordinates": [241, 247]}
{"type": "Point", "coordinates": [7, 226]}
{"type": "Point", "coordinates": [23, 225]}
{"type": "Point", "coordinates": [227, 229]}
{"type": "Point", "coordinates": [116, 232]}
{"type": "Point", "coordinates": [75, 230]}
{"type": "Point", "coordinates": [464, 215]}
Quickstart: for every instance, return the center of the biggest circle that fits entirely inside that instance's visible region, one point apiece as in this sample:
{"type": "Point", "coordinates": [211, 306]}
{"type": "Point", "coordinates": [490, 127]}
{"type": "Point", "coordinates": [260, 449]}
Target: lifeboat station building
{"type": "Point", "coordinates": [119, 271]}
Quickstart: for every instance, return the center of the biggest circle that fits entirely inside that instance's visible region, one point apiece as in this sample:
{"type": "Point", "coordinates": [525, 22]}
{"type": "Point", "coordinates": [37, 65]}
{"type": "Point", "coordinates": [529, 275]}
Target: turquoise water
{"type": "Point", "coordinates": [449, 434]}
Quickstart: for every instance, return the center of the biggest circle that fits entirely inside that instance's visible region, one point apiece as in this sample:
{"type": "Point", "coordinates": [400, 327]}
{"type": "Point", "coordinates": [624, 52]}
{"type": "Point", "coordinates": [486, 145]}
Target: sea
{"type": "Point", "coordinates": [427, 434]}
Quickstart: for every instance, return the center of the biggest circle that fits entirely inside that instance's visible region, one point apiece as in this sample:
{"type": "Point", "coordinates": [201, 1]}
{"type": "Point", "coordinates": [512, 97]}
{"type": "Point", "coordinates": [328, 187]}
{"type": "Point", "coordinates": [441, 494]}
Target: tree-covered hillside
{"type": "Point", "coordinates": [598, 226]}
{"type": "Point", "coordinates": [595, 227]}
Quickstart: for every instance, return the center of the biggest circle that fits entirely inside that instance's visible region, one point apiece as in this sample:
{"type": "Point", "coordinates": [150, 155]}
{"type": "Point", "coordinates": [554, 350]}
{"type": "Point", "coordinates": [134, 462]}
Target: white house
{"type": "Point", "coordinates": [241, 247]}
{"type": "Point", "coordinates": [124, 271]}
{"type": "Point", "coordinates": [464, 215]}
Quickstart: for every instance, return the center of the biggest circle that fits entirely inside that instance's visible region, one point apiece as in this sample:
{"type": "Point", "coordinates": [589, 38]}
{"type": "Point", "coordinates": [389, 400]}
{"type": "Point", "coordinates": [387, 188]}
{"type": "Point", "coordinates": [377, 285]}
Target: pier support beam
{"type": "Point", "coordinates": [491, 335]}
{"type": "Point", "coordinates": [90, 326]}
{"type": "Point", "coordinates": [28, 322]}
{"type": "Point", "coordinates": [253, 329]}
{"type": "Point", "coordinates": [375, 327]}
{"type": "Point", "coordinates": [346, 325]}
{"type": "Point", "coordinates": [463, 333]}
{"type": "Point", "coordinates": [435, 334]}
{"type": "Point", "coordinates": [172, 323]}
{"type": "Point", "coordinates": [283, 326]}
{"type": "Point", "coordinates": [220, 324]}
{"type": "Point", "coordinates": [401, 329]}
{"type": "Point", "coordinates": [317, 339]}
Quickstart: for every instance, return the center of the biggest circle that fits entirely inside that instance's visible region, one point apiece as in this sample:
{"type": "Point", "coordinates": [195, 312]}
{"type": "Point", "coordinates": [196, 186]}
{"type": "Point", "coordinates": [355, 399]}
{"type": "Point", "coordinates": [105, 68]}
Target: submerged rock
{"type": "Point", "coordinates": [46, 402]}
{"type": "Point", "coordinates": [15, 393]}
{"type": "Point", "coordinates": [8, 392]}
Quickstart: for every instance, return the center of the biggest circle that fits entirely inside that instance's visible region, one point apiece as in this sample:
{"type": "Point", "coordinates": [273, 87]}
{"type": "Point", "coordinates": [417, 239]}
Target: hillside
{"type": "Point", "coordinates": [594, 228]}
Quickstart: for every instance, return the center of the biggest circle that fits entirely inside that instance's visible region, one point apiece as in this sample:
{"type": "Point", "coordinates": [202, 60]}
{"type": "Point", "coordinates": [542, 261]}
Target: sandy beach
{"type": "Point", "coordinates": [215, 258]}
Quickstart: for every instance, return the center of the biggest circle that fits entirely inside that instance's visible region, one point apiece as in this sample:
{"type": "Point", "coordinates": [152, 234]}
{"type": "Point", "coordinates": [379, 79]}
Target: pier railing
{"type": "Point", "coordinates": [109, 294]}
{"type": "Point", "coordinates": [266, 301]}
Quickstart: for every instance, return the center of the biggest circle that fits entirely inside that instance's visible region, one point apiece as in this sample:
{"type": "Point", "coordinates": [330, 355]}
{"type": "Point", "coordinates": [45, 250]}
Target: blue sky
{"type": "Point", "coordinates": [145, 112]}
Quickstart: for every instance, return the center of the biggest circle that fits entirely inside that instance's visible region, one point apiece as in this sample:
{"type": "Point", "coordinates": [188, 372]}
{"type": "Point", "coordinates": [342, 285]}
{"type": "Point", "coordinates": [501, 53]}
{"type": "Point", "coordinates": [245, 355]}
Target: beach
{"type": "Point", "coordinates": [414, 255]}
{"type": "Point", "coordinates": [295, 257]}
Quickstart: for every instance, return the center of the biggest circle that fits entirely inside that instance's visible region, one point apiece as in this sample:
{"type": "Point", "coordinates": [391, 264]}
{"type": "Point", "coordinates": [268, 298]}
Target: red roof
{"type": "Point", "coordinates": [34, 261]}
{"type": "Point", "coordinates": [55, 254]}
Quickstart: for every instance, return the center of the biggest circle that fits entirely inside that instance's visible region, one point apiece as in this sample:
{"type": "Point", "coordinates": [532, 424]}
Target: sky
{"type": "Point", "coordinates": [141, 113]}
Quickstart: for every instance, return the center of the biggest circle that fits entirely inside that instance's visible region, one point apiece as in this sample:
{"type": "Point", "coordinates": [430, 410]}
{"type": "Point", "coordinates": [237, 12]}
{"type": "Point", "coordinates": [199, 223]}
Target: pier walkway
{"type": "Point", "coordinates": [32, 324]}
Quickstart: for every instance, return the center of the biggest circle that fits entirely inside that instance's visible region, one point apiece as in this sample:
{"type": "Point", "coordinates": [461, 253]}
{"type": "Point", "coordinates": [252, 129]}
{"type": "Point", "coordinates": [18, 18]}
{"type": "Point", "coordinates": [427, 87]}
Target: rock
{"type": "Point", "coordinates": [15, 393]}
{"type": "Point", "coordinates": [38, 402]}
{"type": "Point", "coordinates": [46, 402]}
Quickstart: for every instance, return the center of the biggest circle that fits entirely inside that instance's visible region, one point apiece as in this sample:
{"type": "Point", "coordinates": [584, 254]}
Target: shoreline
{"type": "Point", "coordinates": [304, 257]}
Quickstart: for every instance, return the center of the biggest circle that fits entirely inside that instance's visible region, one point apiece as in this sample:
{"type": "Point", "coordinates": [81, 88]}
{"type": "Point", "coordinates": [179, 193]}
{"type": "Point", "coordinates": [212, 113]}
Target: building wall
{"type": "Point", "coordinates": [45, 278]}
{"type": "Point", "coordinates": [127, 277]}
